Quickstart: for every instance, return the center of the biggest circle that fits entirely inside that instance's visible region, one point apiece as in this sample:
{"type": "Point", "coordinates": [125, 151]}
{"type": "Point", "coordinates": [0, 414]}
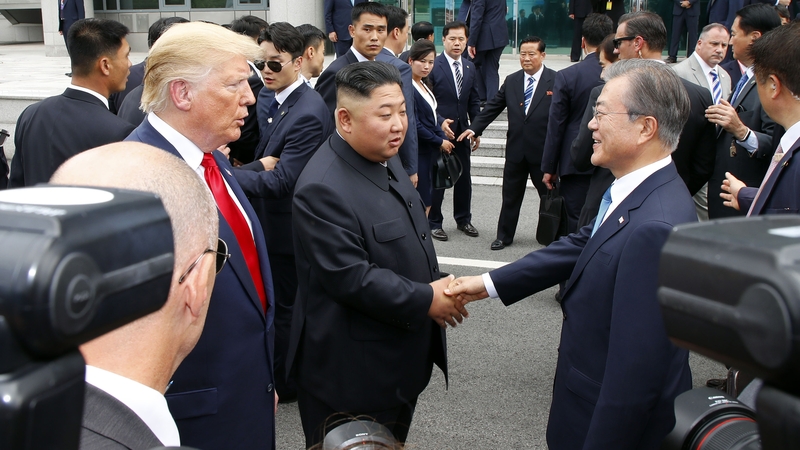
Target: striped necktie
{"type": "Point", "coordinates": [716, 89]}
{"type": "Point", "coordinates": [459, 78]}
{"type": "Point", "coordinates": [739, 87]}
{"type": "Point", "coordinates": [528, 93]}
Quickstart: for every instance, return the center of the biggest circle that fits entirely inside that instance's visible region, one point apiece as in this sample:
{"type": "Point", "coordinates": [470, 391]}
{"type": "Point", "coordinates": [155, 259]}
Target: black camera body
{"type": "Point", "coordinates": [730, 290]}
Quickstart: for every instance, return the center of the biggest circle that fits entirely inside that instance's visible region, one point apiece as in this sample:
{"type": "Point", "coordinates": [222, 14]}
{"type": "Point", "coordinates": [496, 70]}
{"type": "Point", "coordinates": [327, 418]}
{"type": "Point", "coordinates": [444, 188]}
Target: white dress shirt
{"type": "Point", "coordinates": [359, 56]}
{"type": "Point", "coordinates": [751, 141]}
{"type": "Point", "coordinates": [450, 62]}
{"type": "Point", "coordinates": [147, 403]}
{"type": "Point", "coordinates": [89, 91]}
{"type": "Point", "coordinates": [284, 94]}
{"type": "Point", "coordinates": [706, 72]}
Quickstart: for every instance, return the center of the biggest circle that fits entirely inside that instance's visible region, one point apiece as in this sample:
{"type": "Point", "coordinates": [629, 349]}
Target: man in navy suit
{"type": "Point", "coordinates": [296, 128]}
{"type": "Point", "coordinates": [69, 11]}
{"type": "Point", "coordinates": [578, 11]}
{"type": "Point", "coordinates": [617, 373]}
{"type": "Point", "coordinates": [337, 22]}
{"type": "Point", "coordinates": [744, 137]}
{"type": "Point", "coordinates": [570, 97]}
{"type": "Point", "coordinates": [488, 36]}
{"type": "Point", "coordinates": [223, 394]}
{"type": "Point", "coordinates": [685, 14]}
{"type": "Point", "coordinates": [459, 103]}
{"type": "Point", "coordinates": [53, 130]}
{"type": "Point", "coordinates": [778, 77]}
{"type": "Point", "coordinates": [526, 94]}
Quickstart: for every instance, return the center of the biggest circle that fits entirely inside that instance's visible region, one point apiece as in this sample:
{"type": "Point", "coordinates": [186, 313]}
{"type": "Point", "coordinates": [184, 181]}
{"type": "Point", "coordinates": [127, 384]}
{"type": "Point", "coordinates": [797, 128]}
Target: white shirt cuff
{"type": "Point", "coordinates": [751, 143]}
{"type": "Point", "coordinates": [489, 285]}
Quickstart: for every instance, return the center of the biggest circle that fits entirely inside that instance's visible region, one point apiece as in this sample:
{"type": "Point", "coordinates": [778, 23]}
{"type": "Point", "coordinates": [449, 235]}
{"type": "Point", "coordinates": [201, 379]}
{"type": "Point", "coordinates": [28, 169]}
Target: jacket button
{"type": "Point", "coordinates": [435, 268]}
{"type": "Point", "coordinates": [269, 387]}
{"type": "Point", "coordinates": [410, 205]}
{"type": "Point", "coordinates": [565, 315]}
{"type": "Point", "coordinates": [424, 236]}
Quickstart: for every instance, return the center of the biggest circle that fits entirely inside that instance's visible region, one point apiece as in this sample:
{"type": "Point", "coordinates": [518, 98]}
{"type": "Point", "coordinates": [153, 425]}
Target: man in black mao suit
{"type": "Point", "coordinates": [488, 36]}
{"type": "Point", "coordinates": [298, 126]}
{"type": "Point", "coordinates": [360, 233]}
{"type": "Point", "coordinates": [458, 108]}
{"type": "Point", "coordinates": [744, 140]}
{"type": "Point", "coordinates": [570, 97]}
{"type": "Point", "coordinates": [527, 127]}
{"type": "Point", "coordinates": [69, 12]}
{"type": "Point", "coordinates": [226, 383]}
{"type": "Point", "coordinates": [617, 374]}
{"type": "Point", "coordinates": [53, 130]}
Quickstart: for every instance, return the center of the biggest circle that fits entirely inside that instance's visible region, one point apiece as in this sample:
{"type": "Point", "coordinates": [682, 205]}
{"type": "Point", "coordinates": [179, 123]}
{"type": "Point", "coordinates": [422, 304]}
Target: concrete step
{"type": "Point", "coordinates": [491, 147]}
{"type": "Point", "coordinates": [496, 130]}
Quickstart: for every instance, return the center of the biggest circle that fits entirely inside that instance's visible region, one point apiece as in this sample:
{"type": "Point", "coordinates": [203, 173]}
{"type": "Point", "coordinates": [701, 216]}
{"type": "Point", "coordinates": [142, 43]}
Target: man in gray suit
{"type": "Point", "coordinates": [129, 369]}
{"type": "Point", "coordinates": [702, 68]}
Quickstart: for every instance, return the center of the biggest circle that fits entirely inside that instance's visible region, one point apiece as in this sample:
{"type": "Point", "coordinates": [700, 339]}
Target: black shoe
{"type": "Point", "coordinates": [468, 229]}
{"type": "Point", "coordinates": [498, 245]}
{"type": "Point", "coordinates": [69, 74]}
{"type": "Point", "coordinates": [671, 60]}
{"type": "Point", "coordinates": [558, 297]}
{"type": "Point", "coordinates": [438, 234]}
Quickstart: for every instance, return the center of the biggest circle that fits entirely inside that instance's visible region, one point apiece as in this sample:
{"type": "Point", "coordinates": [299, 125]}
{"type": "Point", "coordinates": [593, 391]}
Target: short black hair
{"type": "Point", "coordinates": [250, 26]}
{"type": "Point", "coordinates": [595, 28]}
{"type": "Point", "coordinates": [454, 25]}
{"type": "Point", "coordinates": [607, 48]}
{"type": "Point", "coordinates": [374, 8]}
{"type": "Point", "coordinates": [421, 30]}
{"type": "Point", "coordinates": [285, 37]}
{"type": "Point", "coordinates": [160, 26]}
{"type": "Point", "coordinates": [758, 17]}
{"type": "Point", "coordinates": [649, 25]}
{"type": "Point", "coordinates": [421, 49]}
{"type": "Point", "coordinates": [361, 78]}
{"type": "Point", "coordinates": [533, 40]}
{"type": "Point", "coordinates": [90, 39]}
{"type": "Point", "coordinates": [778, 53]}
{"type": "Point", "coordinates": [312, 36]}
{"type": "Point", "coordinates": [395, 17]}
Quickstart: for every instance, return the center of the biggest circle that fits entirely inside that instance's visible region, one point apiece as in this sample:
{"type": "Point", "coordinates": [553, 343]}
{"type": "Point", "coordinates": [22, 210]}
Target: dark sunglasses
{"type": "Point", "coordinates": [274, 66]}
{"type": "Point", "coordinates": [618, 41]}
{"type": "Point", "coordinates": [222, 257]}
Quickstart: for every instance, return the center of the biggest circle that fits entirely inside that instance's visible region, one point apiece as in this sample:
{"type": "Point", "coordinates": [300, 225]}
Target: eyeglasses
{"type": "Point", "coordinates": [222, 257]}
{"type": "Point", "coordinates": [274, 66]}
{"type": "Point", "coordinates": [618, 41]}
{"type": "Point", "coordinates": [597, 113]}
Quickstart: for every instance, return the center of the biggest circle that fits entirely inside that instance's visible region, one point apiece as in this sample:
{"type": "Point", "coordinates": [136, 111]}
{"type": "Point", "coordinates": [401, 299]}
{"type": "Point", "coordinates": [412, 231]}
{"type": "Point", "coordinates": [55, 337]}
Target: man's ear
{"type": "Point", "coordinates": [649, 129]}
{"type": "Point", "coordinates": [345, 119]}
{"type": "Point", "coordinates": [181, 94]}
{"type": "Point", "coordinates": [197, 287]}
{"type": "Point", "coordinates": [104, 64]}
{"type": "Point", "coordinates": [352, 30]}
{"type": "Point", "coordinates": [309, 53]}
{"type": "Point", "coordinates": [776, 85]}
{"type": "Point", "coordinates": [395, 33]}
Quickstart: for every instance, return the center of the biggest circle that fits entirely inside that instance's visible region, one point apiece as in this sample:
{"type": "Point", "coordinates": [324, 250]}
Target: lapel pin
{"type": "Point", "coordinates": [521, 104]}
{"type": "Point", "coordinates": [269, 120]}
{"type": "Point", "coordinates": [283, 113]}
{"type": "Point", "coordinates": [786, 164]}
{"type": "Point", "coordinates": [621, 219]}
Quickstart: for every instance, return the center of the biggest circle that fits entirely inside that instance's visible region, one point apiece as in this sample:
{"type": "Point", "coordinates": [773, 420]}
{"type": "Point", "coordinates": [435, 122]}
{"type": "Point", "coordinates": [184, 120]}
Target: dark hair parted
{"type": "Point", "coordinates": [533, 40]}
{"type": "Point", "coordinates": [395, 17]}
{"type": "Point", "coordinates": [285, 37]}
{"type": "Point", "coordinates": [91, 39]}
{"type": "Point", "coordinates": [453, 26]}
{"type": "Point", "coordinates": [360, 79]}
{"type": "Point", "coordinates": [421, 49]}
{"type": "Point", "coordinates": [160, 26]}
{"type": "Point", "coordinates": [595, 28]}
{"type": "Point", "coordinates": [650, 26]}
{"type": "Point", "coordinates": [607, 48]}
{"type": "Point", "coordinates": [778, 53]}
{"type": "Point", "coordinates": [374, 8]}
{"type": "Point", "coordinates": [421, 30]}
{"type": "Point", "coordinates": [312, 36]}
{"type": "Point", "coordinates": [758, 17]}
{"type": "Point", "coordinates": [251, 26]}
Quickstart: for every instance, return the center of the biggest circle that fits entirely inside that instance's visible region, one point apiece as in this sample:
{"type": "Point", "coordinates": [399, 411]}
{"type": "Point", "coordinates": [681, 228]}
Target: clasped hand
{"type": "Point", "coordinates": [451, 294]}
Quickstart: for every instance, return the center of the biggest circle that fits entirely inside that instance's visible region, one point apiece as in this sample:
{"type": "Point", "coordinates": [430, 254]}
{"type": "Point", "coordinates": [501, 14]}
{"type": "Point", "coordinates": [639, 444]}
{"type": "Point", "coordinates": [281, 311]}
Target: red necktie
{"type": "Point", "coordinates": [233, 215]}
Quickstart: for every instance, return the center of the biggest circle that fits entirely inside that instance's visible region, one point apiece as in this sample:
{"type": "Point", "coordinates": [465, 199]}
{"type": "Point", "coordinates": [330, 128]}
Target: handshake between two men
{"type": "Point", "coordinates": [451, 294]}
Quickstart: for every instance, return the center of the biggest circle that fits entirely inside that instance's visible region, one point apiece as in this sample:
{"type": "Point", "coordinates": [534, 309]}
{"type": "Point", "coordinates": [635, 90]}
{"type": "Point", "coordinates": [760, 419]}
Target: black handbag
{"type": "Point", "coordinates": [552, 217]}
{"type": "Point", "coordinates": [446, 171]}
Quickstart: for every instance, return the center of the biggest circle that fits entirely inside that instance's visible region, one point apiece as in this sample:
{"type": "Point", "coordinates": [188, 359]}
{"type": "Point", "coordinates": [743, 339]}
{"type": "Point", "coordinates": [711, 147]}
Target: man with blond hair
{"type": "Point", "coordinates": [129, 369]}
{"type": "Point", "coordinates": [196, 96]}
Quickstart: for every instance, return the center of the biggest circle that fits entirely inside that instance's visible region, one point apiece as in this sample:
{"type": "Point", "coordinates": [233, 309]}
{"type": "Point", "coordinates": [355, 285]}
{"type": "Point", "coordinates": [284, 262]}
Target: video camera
{"type": "Point", "coordinates": [75, 263]}
{"type": "Point", "coordinates": [730, 290]}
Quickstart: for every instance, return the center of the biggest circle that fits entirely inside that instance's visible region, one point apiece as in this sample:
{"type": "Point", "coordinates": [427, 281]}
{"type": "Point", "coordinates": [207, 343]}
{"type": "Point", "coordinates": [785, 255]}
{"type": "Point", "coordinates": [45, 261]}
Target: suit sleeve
{"type": "Point", "coordinates": [326, 227]}
{"type": "Point", "coordinates": [328, 7]}
{"type": "Point", "coordinates": [493, 108]}
{"type": "Point", "coordinates": [425, 134]}
{"type": "Point", "coordinates": [704, 152]}
{"type": "Point", "coordinates": [765, 148]}
{"type": "Point", "coordinates": [556, 125]}
{"type": "Point", "coordinates": [409, 151]}
{"type": "Point", "coordinates": [298, 147]}
{"type": "Point", "coordinates": [326, 86]}
{"type": "Point", "coordinates": [475, 19]}
{"type": "Point", "coordinates": [16, 176]}
{"type": "Point", "coordinates": [474, 106]}
{"type": "Point", "coordinates": [640, 354]}
{"type": "Point", "coordinates": [581, 150]}
{"type": "Point", "coordinates": [746, 197]}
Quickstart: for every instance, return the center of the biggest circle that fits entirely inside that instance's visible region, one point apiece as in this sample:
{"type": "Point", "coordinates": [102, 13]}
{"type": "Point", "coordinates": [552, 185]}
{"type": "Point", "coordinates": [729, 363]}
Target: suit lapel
{"type": "Point", "coordinates": [279, 114]}
{"type": "Point", "coordinates": [697, 71]}
{"type": "Point", "coordinates": [769, 183]}
{"type": "Point", "coordinates": [745, 90]}
{"type": "Point", "coordinates": [446, 73]}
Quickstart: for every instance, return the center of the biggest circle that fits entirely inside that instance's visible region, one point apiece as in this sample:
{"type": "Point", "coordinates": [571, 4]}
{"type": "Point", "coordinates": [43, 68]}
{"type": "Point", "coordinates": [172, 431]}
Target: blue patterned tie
{"type": "Point", "coordinates": [528, 93]}
{"type": "Point", "coordinates": [603, 209]}
{"type": "Point", "coordinates": [716, 89]}
{"type": "Point", "coordinates": [459, 78]}
{"type": "Point", "coordinates": [739, 87]}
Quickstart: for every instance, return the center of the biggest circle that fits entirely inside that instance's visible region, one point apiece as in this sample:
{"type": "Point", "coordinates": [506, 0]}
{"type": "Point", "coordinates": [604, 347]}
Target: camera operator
{"type": "Point", "coordinates": [777, 74]}
{"type": "Point", "coordinates": [129, 369]}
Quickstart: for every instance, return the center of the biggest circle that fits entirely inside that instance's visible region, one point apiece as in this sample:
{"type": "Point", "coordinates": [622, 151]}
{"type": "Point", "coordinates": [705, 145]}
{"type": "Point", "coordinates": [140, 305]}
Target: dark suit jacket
{"type": "Point", "coordinates": [461, 109]}
{"type": "Point", "coordinates": [108, 424]}
{"type": "Point", "coordinates": [299, 127]}
{"type": "Point", "coordinates": [129, 110]}
{"type": "Point", "coordinates": [226, 382]}
{"type": "Point", "coordinates": [57, 128]}
{"type": "Point", "coordinates": [571, 91]}
{"type": "Point", "coordinates": [487, 23]}
{"type": "Point", "coordinates": [326, 83]}
{"type": "Point", "coordinates": [358, 236]}
{"type": "Point", "coordinates": [617, 374]}
{"type": "Point", "coordinates": [526, 132]}
{"type": "Point", "coordinates": [72, 12]}
{"type": "Point", "coordinates": [692, 11]}
{"type": "Point", "coordinates": [780, 189]}
{"type": "Point", "coordinates": [337, 17]}
{"type": "Point", "coordinates": [429, 124]}
{"type": "Point", "coordinates": [580, 8]}
{"type": "Point", "coordinates": [744, 166]}
{"type": "Point", "coordinates": [408, 151]}
{"type": "Point", "coordinates": [135, 79]}
{"type": "Point", "coordinates": [732, 67]}
{"type": "Point", "coordinates": [719, 11]}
